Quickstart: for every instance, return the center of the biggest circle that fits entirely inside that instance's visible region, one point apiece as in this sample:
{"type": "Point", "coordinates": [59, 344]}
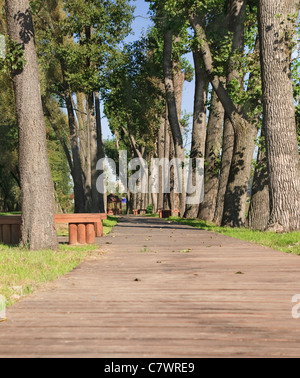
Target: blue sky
{"type": "Point", "coordinates": [139, 26]}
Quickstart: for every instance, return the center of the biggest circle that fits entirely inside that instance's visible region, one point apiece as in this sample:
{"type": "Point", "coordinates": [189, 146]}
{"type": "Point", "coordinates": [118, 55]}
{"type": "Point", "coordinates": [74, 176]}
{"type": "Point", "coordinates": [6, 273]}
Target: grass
{"type": "Point", "coordinates": [22, 272]}
{"type": "Point", "coordinates": [288, 242]}
{"type": "Point", "coordinates": [108, 224]}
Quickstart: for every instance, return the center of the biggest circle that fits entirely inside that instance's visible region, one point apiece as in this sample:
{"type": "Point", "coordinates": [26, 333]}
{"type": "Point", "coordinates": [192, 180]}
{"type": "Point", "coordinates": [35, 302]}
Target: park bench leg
{"type": "Point", "coordinates": [99, 229]}
{"type": "Point", "coordinates": [81, 233]}
{"type": "Point", "coordinates": [90, 233]}
{"type": "Point", "coordinates": [73, 239]}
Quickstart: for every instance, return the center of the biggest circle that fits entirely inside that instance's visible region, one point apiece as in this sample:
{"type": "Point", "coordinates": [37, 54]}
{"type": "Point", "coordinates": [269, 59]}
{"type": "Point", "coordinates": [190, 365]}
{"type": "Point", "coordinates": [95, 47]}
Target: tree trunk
{"type": "Point", "coordinates": [167, 199]}
{"type": "Point", "coordinates": [199, 129]}
{"type": "Point", "coordinates": [241, 126]}
{"type": "Point", "coordinates": [100, 151]}
{"type": "Point", "coordinates": [79, 195]}
{"type": "Point", "coordinates": [259, 210]}
{"type": "Point", "coordinates": [212, 154]}
{"type": "Point", "coordinates": [226, 159]}
{"type": "Point", "coordinates": [88, 164]}
{"type": "Point", "coordinates": [161, 155]}
{"type": "Point", "coordinates": [173, 112]}
{"type": "Point", "coordinates": [38, 204]}
{"type": "Point", "coordinates": [234, 214]}
{"type": "Point", "coordinates": [276, 32]}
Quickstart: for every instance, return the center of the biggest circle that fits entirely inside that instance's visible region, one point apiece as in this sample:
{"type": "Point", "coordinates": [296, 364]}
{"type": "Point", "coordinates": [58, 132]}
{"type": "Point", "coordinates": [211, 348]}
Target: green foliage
{"type": "Point", "coordinates": [80, 37]}
{"type": "Point", "coordinates": [14, 59]}
{"type": "Point", "coordinates": [132, 97]}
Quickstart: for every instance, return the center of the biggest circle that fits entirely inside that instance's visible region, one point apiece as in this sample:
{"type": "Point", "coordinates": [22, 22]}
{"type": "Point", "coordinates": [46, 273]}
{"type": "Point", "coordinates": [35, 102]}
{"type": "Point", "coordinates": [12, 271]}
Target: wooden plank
{"type": "Point", "coordinates": [15, 234]}
{"type": "Point", "coordinates": [59, 218]}
{"type": "Point", "coordinates": [79, 218]}
{"type": "Point", "coordinates": [10, 219]}
{"type": "Point", "coordinates": [6, 234]}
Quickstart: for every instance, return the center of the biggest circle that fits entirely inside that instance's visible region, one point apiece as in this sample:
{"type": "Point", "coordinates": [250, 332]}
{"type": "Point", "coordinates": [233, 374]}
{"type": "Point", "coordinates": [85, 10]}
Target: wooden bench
{"type": "Point", "coordinates": [83, 228]}
{"type": "Point", "coordinates": [165, 213]}
{"type": "Point", "coordinates": [10, 229]}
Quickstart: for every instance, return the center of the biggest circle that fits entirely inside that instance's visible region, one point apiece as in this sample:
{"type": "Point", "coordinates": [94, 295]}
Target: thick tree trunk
{"type": "Point", "coordinates": [276, 32]}
{"type": "Point", "coordinates": [167, 199]}
{"type": "Point", "coordinates": [38, 225]}
{"type": "Point", "coordinates": [173, 112]}
{"type": "Point", "coordinates": [88, 164]}
{"type": "Point", "coordinates": [79, 194]}
{"type": "Point", "coordinates": [199, 129]}
{"type": "Point", "coordinates": [100, 151]}
{"type": "Point", "coordinates": [161, 155]}
{"type": "Point", "coordinates": [259, 210]}
{"type": "Point", "coordinates": [226, 159]}
{"type": "Point", "coordinates": [212, 154]}
{"type": "Point", "coordinates": [241, 126]}
{"type": "Point", "coordinates": [235, 17]}
{"type": "Point", "coordinates": [234, 214]}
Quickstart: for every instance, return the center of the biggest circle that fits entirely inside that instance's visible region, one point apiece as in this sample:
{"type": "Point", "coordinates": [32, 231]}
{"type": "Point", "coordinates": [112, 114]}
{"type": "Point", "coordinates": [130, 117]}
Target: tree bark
{"type": "Point", "coordinates": [243, 129]}
{"type": "Point", "coordinates": [234, 214]}
{"type": "Point", "coordinates": [276, 32]}
{"type": "Point", "coordinates": [161, 155]}
{"type": "Point", "coordinates": [79, 194]}
{"type": "Point", "coordinates": [100, 151]}
{"type": "Point", "coordinates": [226, 159]}
{"type": "Point", "coordinates": [173, 112]}
{"type": "Point", "coordinates": [38, 204]}
{"type": "Point", "coordinates": [199, 127]}
{"type": "Point", "coordinates": [259, 210]}
{"type": "Point", "coordinates": [212, 154]}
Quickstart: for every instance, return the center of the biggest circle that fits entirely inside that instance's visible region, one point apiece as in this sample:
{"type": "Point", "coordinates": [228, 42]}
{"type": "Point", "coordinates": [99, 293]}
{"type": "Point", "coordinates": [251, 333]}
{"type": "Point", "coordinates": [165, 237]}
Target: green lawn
{"type": "Point", "coordinates": [288, 242]}
{"type": "Point", "coordinates": [22, 272]}
{"type": "Point", "coordinates": [108, 224]}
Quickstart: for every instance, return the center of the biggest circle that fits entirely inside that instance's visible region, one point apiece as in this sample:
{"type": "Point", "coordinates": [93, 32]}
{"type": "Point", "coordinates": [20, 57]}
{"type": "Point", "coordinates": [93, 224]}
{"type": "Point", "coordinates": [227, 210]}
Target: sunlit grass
{"type": "Point", "coordinates": [23, 271]}
{"type": "Point", "coordinates": [287, 242]}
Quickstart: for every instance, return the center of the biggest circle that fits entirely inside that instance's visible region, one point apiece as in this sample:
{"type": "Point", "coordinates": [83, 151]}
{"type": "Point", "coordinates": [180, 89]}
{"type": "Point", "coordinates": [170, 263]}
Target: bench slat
{"type": "Point", "coordinates": [79, 218]}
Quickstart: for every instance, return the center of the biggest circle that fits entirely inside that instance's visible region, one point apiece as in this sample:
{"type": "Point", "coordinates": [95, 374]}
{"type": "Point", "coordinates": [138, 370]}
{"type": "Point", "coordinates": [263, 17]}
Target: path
{"type": "Point", "coordinates": [163, 290]}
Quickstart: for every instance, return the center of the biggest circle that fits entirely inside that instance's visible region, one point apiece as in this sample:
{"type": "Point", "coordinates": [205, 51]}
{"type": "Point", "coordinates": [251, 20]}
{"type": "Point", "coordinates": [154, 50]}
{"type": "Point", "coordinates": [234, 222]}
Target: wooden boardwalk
{"type": "Point", "coordinates": [163, 290]}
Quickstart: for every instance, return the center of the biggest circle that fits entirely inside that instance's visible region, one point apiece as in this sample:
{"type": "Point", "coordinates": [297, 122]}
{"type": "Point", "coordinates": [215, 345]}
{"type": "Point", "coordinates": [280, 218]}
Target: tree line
{"type": "Point", "coordinates": [65, 57]}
